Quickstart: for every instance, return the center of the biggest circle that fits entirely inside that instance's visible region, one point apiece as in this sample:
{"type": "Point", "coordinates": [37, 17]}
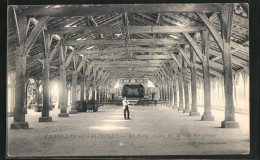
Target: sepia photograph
{"type": "Point", "coordinates": [128, 80]}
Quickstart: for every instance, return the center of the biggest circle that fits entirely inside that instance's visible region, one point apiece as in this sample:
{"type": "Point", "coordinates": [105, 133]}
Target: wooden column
{"type": "Point", "coordinates": [101, 93]}
{"type": "Point", "coordinates": [161, 92]}
{"type": "Point", "coordinates": [87, 87]}
{"type": "Point", "coordinates": [82, 85]}
{"type": "Point", "coordinates": [175, 106]}
{"type": "Point", "coordinates": [25, 44]}
{"type": "Point", "coordinates": [164, 93]}
{"type": "Point", "coordinates": [98, 92]}
{"type": "Point", "coordinates": [94, 91]}
{"type": "Point", "coordinates": [37, 92]}
{"type": "Point", "coordinates": [169, 94]}
{"type": "Point", "coordinates": [63, 87]}
{"type": "Point", "coordinates": [205, 57]}
{"type": "Point", "coordinates": [25, 101]}
{"type": "Point", "coordinates": [86, 90]}
{"type": "Point", "coordinates": [180, 84]}
{"type": "Point", "coordinates": [73, 93]}
{"type": "Point", "coordinates": [45, 80]}
{"type": "Point", "coordinates": [106, 92]}
{"type": "Point", "coordinates": [226, 25]}
{"type": "Point", "coordinates": [171, 97]}
{"type": "Point", "coordinates": [194, 111]}
{"type": "Point", "coordinates": [186, 88]}
{"type": "Point", "coordinates": [19, 110]}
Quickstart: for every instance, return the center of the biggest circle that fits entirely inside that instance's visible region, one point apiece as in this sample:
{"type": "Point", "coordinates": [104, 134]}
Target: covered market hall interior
{"type": "Point", "coordinates": [184, 68]}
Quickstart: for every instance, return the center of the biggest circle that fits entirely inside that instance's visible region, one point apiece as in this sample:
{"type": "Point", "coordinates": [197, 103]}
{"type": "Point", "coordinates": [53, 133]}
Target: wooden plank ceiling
{"type": "Point", "coordinates": [127, 40]}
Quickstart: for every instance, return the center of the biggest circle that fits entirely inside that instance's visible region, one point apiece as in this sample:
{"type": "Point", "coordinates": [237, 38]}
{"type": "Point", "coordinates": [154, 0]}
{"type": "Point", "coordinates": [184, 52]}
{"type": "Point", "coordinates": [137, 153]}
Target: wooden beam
{"type": "Point", "coordinates": [239, 47]}
{"type": "Point", "coordinates": [164, 73]}
{"type": "Point", "coordinates": [75, 62]}
{"type": "Point", "coordinates": [72, 54]}
{"type": "Point", "coordinates": [167, 69]}
{"type": "Point", "coordinates": [82, 63]}
{"type": "Point", "coordinates": [194, 45]}
{"type": "Point", "coordinates": [112, 9]}
{"type": "Point", "coordinates": [183, 54]}
{"type": "Point", "coordinates": [148, 62]}
{"type": "Point", "coordinates": [175, 60]}
{"type": "Point", "coordinates": [241, 21]}
{"type": "Point", "coordinates": [211, 28]}
{"type": "Point", "coordinates": [95, 24]}
{"type": "Point", "coordinates": [120, 50]}
{"type": "Point", "coordinates": [55, 51]}
{"type": "Point", "coordinates": [89, 66]}
{"type": "Point", "coordinates": [108, 66]}
{"type": "Point", "coordinates": [130, 29]}
{"type": "Point", "coordinates": [175, 68]}
{"type": "Point", "coordinates": [34, 34]}
{"type": "Point", "coordinates": [17, 25]}
{"type": "Point", "coordinates": [155, 41]}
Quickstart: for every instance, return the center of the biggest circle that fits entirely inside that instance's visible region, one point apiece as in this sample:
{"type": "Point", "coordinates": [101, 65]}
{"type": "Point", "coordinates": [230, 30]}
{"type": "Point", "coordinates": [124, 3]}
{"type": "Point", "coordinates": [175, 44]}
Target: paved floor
{"type": "Point", "coordinates": [151, 131]}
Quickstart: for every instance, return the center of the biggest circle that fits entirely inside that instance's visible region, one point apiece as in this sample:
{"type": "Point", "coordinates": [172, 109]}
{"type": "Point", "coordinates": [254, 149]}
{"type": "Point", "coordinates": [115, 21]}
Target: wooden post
{"type": "Point", "coordinates": [168, 94]}
{"type": "Point", "coordinates": [160, 90]}
{"type": "Point", "coordinates": [87, 88]}
{"type": "Point", "coordinates": [194, 111]}
{"type": "Point", "coordinates": [19, 110]}
{"type": "Point", "coordinates": [226, 25]}
{"type": "Point", "coordinates": [25, 44]}
{"type": "Point", "coordinates": [174, 92]}
{"type": "Point", "coordinates": [98, 92]}
{"type": "Point", "coordinates": [171, 97]}
{"type": "Point", "coordinates": [205, 57]}
{"type": "Point", "coordinates": [45, 80]}
{"type": "Point", "coordinates": [164, 92]}
{"type": "Point", "coordinates": [25, 102]}
{"type": "Point", "coordinates": [73, 93]}
{"type": "Point", "coordinates": [63, 87]}
{"type": "Point", "coordinates": [180, 84]}
{"type": "Point", "coordinates": [82, 84]}
{"type": "Point", "coordinates": [186, 89]}
{"type": "Point", "coordinates": [94, 91]}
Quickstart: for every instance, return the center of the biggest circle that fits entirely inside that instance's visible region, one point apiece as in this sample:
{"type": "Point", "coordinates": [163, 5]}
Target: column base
{"type": "Point", "coordinates": [186, 111]}
{"type": "Point", "coordinates": [194, 114]}
{"type": "Point", "coordinates": [63, 115]}
{"type": "Point", "coordinates": [180, 109]}
{"type": "Point", "coordinates": [73, 112]}
{"type": "Point", "coordinates": [207, 118]}
{"type": "Point", "coordinates": [20, 125]}
{"type": "Point", "coordinates": [45, 119]}
{"type": "Point", "coordinates": [229, 124]}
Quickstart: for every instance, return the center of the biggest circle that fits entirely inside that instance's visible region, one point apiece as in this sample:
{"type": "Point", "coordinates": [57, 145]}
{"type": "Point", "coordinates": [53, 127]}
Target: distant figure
{"type": "Point", "coordinates": [126, 108]}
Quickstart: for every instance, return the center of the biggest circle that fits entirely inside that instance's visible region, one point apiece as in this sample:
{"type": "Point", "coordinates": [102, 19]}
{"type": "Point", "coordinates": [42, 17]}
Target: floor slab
{"type": "Point", "coordinates": [152, 130]}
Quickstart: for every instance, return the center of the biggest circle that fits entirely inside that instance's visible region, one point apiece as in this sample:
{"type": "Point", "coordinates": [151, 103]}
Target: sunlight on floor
{"type": "Point", "coordinates": [108, 127]}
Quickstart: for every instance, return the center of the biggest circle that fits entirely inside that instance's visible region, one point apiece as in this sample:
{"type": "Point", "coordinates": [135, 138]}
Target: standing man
{"type": "Point", "coordinates": [126, 108]}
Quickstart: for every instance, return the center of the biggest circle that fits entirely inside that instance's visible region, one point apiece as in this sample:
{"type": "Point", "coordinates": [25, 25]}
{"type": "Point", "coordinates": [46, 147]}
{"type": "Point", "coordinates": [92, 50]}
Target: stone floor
{"type": "Point", "coordinates": [152, 130]}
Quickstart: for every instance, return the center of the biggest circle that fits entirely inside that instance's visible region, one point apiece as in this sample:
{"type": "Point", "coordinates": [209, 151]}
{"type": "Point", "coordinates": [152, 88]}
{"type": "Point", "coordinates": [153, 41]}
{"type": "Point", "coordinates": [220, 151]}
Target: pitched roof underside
{"type": "Point", "coordinates": [133, 57]}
